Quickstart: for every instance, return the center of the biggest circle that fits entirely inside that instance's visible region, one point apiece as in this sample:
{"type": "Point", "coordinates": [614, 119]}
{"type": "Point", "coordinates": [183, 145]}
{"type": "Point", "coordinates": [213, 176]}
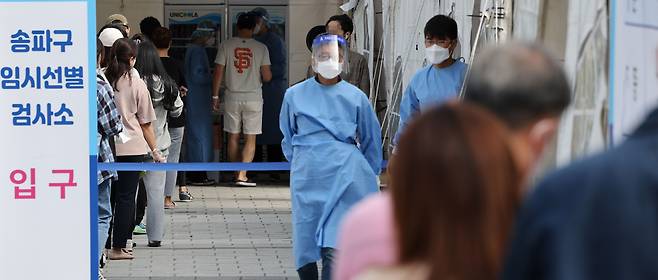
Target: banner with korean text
{"type": "Point", "coordinates": [47, 140]}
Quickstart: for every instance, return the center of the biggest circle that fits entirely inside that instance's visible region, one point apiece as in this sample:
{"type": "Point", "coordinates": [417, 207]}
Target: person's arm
{"type": "Point", "coordinates": [266, 73]}
{"type": "Point", "coordinates": [109, 119]}
{"type": "Point", "coordinates": [145, 116]}
{"type": "Point", "coordinates": [265, 68]}
{"type": "Point", "coordinates": [287, 126]}
{"type": "Point", "coordinates": [409, 107]}
{"type": "Point", "coordinates": [370, 135]}
{"type": "Point", "coordinates": [149, 136]}
{"type": "Point", "coordinates": [216, 85]}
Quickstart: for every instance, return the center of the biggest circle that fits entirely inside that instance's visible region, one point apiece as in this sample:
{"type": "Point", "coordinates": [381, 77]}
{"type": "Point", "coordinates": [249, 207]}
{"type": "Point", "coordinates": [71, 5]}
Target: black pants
{"type": "Point", "coordinates": [310, 270]}
{"type": "Point", "coordinates": [140, 207]}
{"type": "Point", "coordinates": [271, 153]}
{"type": "Point", "coordinates": [196, 176]}
{"type": "Point", "coordinates": [123, 204]}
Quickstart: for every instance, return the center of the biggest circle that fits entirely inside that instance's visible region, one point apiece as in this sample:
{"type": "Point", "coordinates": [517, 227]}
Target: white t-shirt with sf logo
{"type": "Point", "coordinates": [242, 59]}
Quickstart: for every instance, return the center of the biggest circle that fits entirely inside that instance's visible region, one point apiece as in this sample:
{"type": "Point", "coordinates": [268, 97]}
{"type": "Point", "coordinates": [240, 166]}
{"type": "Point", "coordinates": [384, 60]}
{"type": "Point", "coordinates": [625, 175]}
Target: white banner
{"type": "Point", "coordinates": [46, 93]}
{"type": "Point", "coordinates": [634, 64]}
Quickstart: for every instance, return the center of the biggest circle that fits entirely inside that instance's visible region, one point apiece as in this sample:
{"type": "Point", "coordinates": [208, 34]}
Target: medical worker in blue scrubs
{"type": "Point", "coordinates": [199, 126]}
{"type": "Point", "coordinates": [332, 138]}
{"type": "Point", "coordinates": [441, 80]}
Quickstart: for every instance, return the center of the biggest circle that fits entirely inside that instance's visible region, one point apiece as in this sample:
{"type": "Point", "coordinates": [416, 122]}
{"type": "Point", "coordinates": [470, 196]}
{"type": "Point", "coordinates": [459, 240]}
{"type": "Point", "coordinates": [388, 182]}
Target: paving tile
{"type": "Point", "coordinates": [225, 233]}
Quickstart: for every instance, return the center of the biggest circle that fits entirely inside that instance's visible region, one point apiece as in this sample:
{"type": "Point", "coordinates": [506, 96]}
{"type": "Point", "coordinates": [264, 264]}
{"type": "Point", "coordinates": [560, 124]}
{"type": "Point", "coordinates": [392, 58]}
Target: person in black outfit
{"type": "Point", "coordinates": [161, 38]}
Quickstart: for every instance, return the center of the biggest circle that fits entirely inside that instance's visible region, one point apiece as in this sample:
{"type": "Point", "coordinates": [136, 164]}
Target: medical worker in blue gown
{"type": "Point", "coordinates": [332, 138]}
{"type": "Point", "coordinates": [441, 80]}
{"type": "Point", "coordinates": [198, 126]}
{"type": "Point", "coordinates": [274, 89]}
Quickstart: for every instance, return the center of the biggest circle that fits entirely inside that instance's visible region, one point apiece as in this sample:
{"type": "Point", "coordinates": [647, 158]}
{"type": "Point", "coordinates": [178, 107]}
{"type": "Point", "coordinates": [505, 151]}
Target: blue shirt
{"type": "Point", "coordinates": [429, 87]}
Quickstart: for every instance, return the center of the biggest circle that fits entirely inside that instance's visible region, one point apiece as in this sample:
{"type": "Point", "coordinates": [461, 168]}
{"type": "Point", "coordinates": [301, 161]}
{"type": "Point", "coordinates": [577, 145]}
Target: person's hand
{"type": "Point", "coordinates": [183, 91]}
{"type": "Point", "coordinates": [158, 157]}
{"type": "Point", "coordinates": [215, 104]}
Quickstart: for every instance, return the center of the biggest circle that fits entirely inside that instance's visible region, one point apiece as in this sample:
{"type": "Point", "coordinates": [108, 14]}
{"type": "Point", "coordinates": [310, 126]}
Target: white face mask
{"type": "Point", "coordinates": [435, 54]}
{"type": "Point", "coordinates": [329, 69]}
{"type": "Point", "coordinates": [257, 29]}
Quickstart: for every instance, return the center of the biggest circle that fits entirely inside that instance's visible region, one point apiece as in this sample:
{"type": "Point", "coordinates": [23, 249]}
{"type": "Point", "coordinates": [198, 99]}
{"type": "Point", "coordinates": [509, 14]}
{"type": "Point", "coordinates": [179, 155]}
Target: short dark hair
{"type": "Point", "coordinates": [441, 27]}
{"type": "Point", "coordinates": [345, 21]}
{"type": "Point", "coordinates": [161, 37]}
{"type": "Point", "coordinates": [247, 20]}
{"type": "Point", "coordinates": [520, 83]}
{"type": "Point", "coordinates": [148, 25]}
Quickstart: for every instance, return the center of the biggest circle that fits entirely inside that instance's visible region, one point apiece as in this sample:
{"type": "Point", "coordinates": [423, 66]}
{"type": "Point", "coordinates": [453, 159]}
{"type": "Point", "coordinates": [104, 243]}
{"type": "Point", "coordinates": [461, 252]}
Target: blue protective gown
{"type": "Point", "coordinates": [429, 87]}
{"type": "Point", "coordinates": [198, 124]}
{"type": "Point", "coordinates": [330, 171]}
{"type": "Point", "coordinates": [273, 91]}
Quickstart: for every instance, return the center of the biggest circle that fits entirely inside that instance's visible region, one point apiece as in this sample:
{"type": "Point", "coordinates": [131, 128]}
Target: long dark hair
{"type": "Point", "coordinates": [122, 52]}
{"type": "Point", "coordinates": [456, 190]}
{"type": "Point", "coordinates": [100, 54]}
{"type": "Point", "coordinates": [149, 65]}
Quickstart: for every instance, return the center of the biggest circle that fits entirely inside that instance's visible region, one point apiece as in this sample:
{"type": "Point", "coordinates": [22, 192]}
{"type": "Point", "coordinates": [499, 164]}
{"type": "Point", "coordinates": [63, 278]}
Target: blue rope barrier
{"type": "Point", "coordinates": [199, 166]}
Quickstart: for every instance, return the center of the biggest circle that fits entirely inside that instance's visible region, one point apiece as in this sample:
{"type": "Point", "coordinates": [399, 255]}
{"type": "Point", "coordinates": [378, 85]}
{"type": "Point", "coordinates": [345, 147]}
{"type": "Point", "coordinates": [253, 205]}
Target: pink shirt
{"type": "Point", "coordinates": [367, 238]}
{"type": "Point", "coordinates": [136, 108]}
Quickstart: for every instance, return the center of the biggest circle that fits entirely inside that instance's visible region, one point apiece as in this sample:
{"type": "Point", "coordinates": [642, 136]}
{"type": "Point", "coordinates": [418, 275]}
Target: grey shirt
{"type": "Point", "coordinates": [160, 125]}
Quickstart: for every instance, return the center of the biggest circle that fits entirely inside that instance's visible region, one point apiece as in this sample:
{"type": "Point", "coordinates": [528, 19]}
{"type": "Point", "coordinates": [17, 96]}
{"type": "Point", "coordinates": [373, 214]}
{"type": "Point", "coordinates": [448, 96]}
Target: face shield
{"type": "Point", "coordinates": [329, 55]}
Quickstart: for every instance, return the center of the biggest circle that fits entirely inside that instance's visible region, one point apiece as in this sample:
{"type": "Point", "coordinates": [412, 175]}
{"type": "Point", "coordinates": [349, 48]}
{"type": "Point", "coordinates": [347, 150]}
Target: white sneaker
{"type": "Point", "coordinates": [100, 275]}
{"type": "Point", "coordinates": [248, 183]}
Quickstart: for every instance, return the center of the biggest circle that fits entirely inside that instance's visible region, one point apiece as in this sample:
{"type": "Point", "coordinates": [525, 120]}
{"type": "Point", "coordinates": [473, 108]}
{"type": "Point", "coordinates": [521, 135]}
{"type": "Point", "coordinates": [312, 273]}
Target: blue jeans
{"type": "Point", "coordinates": [104, 214]}
{"type": "Point", "coordinates": [310, 270]}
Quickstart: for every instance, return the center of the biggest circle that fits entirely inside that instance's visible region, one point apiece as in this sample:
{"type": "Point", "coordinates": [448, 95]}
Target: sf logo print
{"type": "Point", "coordinates": [242, 59]}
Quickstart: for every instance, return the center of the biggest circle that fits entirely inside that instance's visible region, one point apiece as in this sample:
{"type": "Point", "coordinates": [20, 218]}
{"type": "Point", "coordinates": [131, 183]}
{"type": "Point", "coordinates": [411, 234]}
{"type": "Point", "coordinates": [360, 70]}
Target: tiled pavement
{"type": "Point", "coordinates": [225, 233]}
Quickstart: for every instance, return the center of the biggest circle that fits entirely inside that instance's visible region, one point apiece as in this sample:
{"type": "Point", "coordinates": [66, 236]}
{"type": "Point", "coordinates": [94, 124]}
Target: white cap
{"type": "Point", "coordinates": [109, 36]}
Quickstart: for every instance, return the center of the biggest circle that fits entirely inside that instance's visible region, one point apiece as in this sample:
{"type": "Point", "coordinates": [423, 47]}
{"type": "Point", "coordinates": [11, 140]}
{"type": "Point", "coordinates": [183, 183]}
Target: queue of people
{"type": "Point", "coordinates": [460, 204]}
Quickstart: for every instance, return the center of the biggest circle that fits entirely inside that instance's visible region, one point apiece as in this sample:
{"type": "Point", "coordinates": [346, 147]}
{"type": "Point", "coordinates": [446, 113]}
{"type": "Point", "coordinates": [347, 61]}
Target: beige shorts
{"type": "Point", "coordinates": [243, 117]}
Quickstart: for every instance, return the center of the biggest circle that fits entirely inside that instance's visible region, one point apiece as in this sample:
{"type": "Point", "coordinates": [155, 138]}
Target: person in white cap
{"type": "Point", "coordinates": [108, 35]}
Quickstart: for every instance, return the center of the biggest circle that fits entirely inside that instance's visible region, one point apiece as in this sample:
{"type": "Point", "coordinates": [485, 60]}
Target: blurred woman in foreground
{"type": "Point", "coordinates": [455, 192]}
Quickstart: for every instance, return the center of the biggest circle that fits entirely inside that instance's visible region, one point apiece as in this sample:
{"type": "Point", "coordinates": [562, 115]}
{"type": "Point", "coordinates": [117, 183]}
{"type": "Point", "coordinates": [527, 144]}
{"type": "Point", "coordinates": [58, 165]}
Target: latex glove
{"type": "Point", "coordinates": [158, 157]}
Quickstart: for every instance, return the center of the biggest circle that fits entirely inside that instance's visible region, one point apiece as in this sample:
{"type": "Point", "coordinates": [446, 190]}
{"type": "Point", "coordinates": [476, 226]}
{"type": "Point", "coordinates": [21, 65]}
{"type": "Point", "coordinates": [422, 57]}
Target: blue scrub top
{"type": "Point", "coordinates": [429, 87]}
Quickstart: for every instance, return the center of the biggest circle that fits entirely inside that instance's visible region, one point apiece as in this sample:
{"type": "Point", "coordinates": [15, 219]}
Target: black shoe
{"type": "Point", "coordinates": [185, 196]}
{"type": "Point", "coordinates": [155, 243]}
{"type": "Point", "coordinates": [206, 182]}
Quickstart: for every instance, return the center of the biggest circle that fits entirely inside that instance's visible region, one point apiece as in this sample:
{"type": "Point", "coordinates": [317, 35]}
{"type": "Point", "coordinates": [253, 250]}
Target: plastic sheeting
{"type": "Point", "coordinates": [583, 127]}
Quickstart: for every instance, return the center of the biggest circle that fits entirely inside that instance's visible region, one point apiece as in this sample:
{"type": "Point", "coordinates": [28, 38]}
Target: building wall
{"type": "Point", "coordinates": [134, 10]}
{"type": "Point", "coordinates": [303, 15]}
